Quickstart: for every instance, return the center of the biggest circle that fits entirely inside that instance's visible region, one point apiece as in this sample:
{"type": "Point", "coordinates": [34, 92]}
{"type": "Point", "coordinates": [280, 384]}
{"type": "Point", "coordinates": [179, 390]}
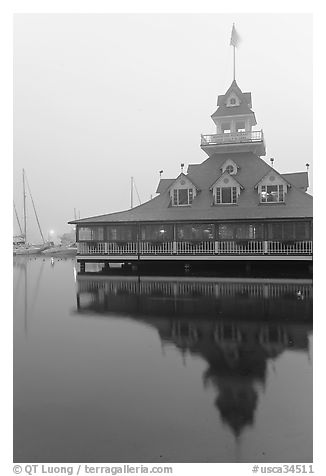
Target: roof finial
{"type": "Point", "coordinates": [160, 172]}
{"type": "Point", "coordinates": [307, 165]}
{"type": "Point", "coordinates": [272, 161]}
{"type": "Point", "coordinates": [182, 165]}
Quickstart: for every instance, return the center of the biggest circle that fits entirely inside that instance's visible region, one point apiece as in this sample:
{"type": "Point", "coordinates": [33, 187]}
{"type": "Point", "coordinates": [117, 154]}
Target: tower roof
{"type": "Point", "coordinates": [244, 106]}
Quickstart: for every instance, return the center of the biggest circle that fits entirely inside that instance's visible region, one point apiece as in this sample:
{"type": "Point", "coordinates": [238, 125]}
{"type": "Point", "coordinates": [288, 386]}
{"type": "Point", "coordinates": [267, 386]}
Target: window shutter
{"type": "Point", "coordinates": [175, 197]}
{"type": "Point", "coordinates": [280, 193]}
{"type": "Point", "coordinates": [234, 195]}
{"type": "Point", "coordinates": [190, 195]}
{"type": "Point", "coordinates": [218, 195]}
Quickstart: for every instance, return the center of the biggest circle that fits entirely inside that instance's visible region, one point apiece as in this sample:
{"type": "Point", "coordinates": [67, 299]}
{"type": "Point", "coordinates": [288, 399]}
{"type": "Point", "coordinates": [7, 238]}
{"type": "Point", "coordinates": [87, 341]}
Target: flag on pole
{"type": "Point", "coordinates": [235, 38]}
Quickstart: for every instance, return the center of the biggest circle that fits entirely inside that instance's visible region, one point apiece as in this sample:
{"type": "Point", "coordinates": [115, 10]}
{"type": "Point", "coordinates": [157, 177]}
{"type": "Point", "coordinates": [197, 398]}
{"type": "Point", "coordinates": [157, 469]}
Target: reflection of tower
{"type": "Point", "coordinates": [237, 403]}
{"type": "Point", "coordinates": [237, 355]}
{"type": "Point", "coordinates": [235, 382]}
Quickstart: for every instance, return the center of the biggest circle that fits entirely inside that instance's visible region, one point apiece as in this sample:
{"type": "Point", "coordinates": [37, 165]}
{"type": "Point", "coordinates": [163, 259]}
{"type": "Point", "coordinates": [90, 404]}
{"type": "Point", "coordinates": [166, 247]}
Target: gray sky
{"type": "Point", "coordinates": [101, 98]}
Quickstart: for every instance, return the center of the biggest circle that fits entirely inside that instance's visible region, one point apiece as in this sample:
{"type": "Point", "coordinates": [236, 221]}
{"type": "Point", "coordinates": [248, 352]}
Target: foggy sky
{"type": "Point", "coordinates": [101, 98]}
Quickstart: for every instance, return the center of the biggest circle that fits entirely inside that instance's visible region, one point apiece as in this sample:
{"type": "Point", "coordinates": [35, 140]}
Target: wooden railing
{"type": "Point", "coordinates": [232, 137]}
{"type": "Point", "coordinates": [205, 247]}
{"type": "Point", "coordinates": [196, 248]}
{"type": "Point", "coordinates": [153, 248]}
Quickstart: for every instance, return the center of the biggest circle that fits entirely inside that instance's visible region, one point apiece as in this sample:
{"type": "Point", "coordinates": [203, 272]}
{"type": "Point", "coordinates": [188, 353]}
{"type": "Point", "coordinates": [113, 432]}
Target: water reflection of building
{"type": "Point", "coordinates": [236, 327]}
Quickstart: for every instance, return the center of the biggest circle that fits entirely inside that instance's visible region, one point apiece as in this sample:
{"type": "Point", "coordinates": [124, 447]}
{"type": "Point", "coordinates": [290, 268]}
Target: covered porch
{"type": "Point", "coordinates": [288, 238]}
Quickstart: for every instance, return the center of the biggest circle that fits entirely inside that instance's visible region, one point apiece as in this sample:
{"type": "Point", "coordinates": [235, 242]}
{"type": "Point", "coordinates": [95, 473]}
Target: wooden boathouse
{"type": "Point", "coordinates": [232, 207]}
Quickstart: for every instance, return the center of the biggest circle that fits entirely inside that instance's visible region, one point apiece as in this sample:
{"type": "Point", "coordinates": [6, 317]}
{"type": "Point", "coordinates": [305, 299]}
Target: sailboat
{"type": "Point", "coordinates": [20, 243]}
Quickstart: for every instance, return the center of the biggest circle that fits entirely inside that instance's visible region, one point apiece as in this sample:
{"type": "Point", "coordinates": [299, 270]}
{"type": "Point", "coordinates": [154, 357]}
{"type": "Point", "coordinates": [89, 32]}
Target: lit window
{"type": "Point", "coordinates": [226, 195]}
{"type": "Point", "coordinates": [182, 196]}
{"type": "Point", "coordinates": [272, 193]}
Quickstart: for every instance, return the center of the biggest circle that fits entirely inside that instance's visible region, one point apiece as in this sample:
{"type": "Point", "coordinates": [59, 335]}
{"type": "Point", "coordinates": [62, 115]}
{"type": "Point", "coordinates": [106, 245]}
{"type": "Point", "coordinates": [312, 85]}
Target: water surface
{"type": "Point", "coordinates": [127, 369]}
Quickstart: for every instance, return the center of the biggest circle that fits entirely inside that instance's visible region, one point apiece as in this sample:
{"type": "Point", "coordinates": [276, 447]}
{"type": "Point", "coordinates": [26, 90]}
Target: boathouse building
{"type": "Point", "coordinates": [234, 206]}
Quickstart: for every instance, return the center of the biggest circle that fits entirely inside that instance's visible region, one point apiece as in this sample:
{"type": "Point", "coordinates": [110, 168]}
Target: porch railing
{"type": "Point", "coordinates": [232, 137]}
{"type": "Point", "coordinates": [205, 247]}
{"type": "Point", "coordinates": [196, 248]}
{"type": "Point", "coordinates": [152, 248]}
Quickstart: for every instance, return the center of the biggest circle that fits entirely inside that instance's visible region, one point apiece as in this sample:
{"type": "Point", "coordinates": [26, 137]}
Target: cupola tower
{"type": "Point", "coordinates": [234, 120]}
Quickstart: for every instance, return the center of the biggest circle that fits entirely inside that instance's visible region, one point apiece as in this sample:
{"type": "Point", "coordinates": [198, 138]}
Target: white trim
{"type": "Point", "coordinates": [229, 257]}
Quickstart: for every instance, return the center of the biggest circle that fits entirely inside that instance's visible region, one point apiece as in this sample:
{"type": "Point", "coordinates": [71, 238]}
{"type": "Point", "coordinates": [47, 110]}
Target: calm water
{"type": "Point", "coordinates": [118, 369]}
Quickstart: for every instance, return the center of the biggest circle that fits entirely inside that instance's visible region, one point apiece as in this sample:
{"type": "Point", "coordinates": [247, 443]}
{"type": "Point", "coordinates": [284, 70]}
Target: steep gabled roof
{"type": "Point", "coordinates": [298, 204]}
{"type": "Point", "coordinates": [276, 173]}
{"type": "Point", "coordinates": [244, 97]}
{"type": "Point", "coordinates": [225, 174]}
{"type": "Point", "coordinates": [186, 177]}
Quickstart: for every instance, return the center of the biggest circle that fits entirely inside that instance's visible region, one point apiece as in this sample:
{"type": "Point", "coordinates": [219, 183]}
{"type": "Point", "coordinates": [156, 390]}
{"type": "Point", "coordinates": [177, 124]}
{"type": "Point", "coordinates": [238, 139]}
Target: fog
{"type": "Point", "coordinates": [101, 98]}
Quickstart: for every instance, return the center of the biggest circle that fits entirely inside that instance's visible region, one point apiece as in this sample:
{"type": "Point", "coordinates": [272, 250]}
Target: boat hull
{"type": "Point", "coordinates": [27, 251]}
{"type": "Point", "coordinates": [60, 250]}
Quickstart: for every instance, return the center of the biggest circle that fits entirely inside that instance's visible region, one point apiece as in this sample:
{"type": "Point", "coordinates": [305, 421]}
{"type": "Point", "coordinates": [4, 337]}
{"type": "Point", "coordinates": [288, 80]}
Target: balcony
{"type": "Point", "coordinates": [241, 141]}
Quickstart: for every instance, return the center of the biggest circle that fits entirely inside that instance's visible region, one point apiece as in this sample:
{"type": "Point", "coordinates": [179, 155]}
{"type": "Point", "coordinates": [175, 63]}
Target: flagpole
{"type": "Point", "coordinates": [233, 63]}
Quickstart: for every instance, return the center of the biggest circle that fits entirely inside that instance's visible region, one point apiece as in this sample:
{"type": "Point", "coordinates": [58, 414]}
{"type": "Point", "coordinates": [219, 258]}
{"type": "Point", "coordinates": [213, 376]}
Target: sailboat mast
{"type": "Point", "coordinates": [38, 222]}
{"type": "Point", "coordinates": [24, 201]}
{"type": "Point", "coordinates": [20, 228]}
{"type": "Point", "coordinates": [134, 183]}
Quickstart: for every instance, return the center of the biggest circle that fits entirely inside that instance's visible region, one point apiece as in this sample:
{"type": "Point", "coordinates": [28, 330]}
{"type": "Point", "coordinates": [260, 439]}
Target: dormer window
{"type": "Point", "coordinates": [182, 196]}
{"type": "Point", "coordinates": [182, 191]}
{"type": "Point", "coordinates": [229, 169]}
{"type": "Point", "coordinates": [272, 193]}
{"type": "Point", "coordinates": [232, 100]}
{"type": "Point", "coordinates": [226, 190]}
{"type": "Point", "coordinates": [272, 188]}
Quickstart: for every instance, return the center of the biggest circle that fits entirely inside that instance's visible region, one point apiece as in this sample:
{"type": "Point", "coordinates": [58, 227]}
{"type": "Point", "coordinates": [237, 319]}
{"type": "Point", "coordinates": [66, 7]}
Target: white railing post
{"type": "Point", "coordinates": [265, 247]}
